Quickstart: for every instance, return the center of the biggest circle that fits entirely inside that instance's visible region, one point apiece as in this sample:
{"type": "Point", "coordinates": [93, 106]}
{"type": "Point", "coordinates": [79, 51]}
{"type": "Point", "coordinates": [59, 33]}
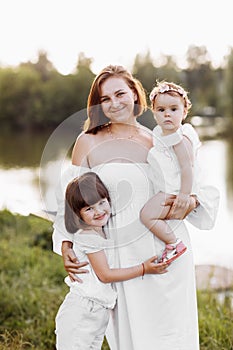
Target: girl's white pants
{"type": "Point", "coordinates": [80, 324]}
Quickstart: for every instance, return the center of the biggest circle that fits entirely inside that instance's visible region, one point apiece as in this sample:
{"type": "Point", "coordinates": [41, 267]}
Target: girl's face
{"type": "Point", "coordinates": [169, 111]}
{"type": "Point", "coordinates": [117, 100]}
{"type": "Point", "coordinates": [96, 215]}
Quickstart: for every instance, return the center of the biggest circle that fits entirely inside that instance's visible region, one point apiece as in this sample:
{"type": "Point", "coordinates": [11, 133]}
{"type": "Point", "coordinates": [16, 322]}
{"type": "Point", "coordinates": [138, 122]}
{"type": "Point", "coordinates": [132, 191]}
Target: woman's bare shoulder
{"type": "Point", "coordinates": [81, 148]}
{"type": "Point", "coordinates": [145, 135]}
{"type": "Point", "coordinates": [83, 138]}
{"type": "Point", "coordinates": [81, 143]}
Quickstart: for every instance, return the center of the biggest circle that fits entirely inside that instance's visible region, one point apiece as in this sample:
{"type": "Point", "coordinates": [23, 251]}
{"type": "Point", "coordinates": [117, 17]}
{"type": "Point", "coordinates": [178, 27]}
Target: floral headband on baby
{"type": "Point", "coordinates": [165, 87]}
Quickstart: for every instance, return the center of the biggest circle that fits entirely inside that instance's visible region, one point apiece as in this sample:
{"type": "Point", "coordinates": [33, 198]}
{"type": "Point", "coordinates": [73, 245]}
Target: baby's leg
{"type": "Point", "coordinates": [153, 216]}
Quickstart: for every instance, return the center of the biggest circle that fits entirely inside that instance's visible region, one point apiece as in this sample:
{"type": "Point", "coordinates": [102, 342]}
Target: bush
{"type": "Point", "coordinates": [32, 288]}
{"type": "Point", "coordinates": [32, 285]}
{"type": "Point", "coordinates": [215, 321]}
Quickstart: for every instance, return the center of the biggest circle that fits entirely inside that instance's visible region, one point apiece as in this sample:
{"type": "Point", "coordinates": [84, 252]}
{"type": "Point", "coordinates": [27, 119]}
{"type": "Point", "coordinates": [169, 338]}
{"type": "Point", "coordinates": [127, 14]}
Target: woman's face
{"type": "Point", "coordinates": [117, 100]}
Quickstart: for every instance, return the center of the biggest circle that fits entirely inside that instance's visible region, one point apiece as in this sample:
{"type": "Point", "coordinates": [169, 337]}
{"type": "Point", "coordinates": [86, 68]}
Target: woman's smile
{"type": "Point", "coordinates": [116, 110]}
{"type": "Point", "coordinates": [117, 100]}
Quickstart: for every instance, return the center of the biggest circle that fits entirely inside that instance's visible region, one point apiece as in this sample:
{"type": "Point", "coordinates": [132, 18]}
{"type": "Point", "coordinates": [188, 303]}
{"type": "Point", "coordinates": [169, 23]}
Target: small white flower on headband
{"type": "Point", "coordinates": [165, 88]}
{"type": "Point", "coordinates": [152, 95]}
{"type": "Point", "coordinates": [181, 92]}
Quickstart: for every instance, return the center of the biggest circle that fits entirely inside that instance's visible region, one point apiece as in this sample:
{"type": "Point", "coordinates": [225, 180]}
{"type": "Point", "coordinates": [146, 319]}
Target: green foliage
{"type": "Point", "coordinates": [228, 85]}
{"type": "Point", "coordinates": [20, 96]}
{"type": "Point", "coordinates": [148, 71]}
{"type": "Point", "coordinates": [215, 322]}
{"type": "Point", "coordinates": [35, 95]}
{"type": "Point", "coordinates": [31, 280]}
{"type": "Point", "coordinates": [32, 288]}
{"type": "Point", "coordinates": [31, 283]}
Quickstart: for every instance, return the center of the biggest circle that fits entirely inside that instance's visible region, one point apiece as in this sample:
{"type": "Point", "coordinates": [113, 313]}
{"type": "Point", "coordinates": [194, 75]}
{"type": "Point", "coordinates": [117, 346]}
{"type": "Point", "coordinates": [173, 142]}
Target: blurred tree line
{"type": "Point", "coordinates": [36, 95]}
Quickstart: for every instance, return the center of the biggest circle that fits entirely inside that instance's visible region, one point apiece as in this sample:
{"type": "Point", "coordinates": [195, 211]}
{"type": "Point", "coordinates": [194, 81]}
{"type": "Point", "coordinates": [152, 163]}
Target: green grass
{"type": "Point", "coordinates": [215, 321]}
{"type": "Point", "coordinates": [32, 288]}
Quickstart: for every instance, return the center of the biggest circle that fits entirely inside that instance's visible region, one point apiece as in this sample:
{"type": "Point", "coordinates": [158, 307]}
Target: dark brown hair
{"type": "Point", "coordinates": [82, 191]}
{"type": "Point", "coordinates": [96, 118]}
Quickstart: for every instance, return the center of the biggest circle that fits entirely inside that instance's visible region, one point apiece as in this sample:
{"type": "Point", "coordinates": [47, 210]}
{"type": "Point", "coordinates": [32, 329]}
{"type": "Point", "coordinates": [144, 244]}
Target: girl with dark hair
{"type": "Point", "coordinates": [82, 318]}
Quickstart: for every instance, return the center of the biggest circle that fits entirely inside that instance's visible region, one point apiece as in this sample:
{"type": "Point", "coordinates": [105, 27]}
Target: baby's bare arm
{"type": "Point", "coordinates": [184, 153]}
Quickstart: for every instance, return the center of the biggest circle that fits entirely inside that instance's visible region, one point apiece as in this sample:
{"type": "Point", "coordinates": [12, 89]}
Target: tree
{"type": "Point", "coordinates": [149, 70]}
{"type": "Point", "coordinates": [144, 70]}
{"type": "Point", "coordinates": [83, 80]}
{"type": "Point", "coordinates": [43, 66]}
{"type": "Point", "coordinates": [228, 86]}
{"type": "Point", "coordinates": [201, 79]}
{"type": "Point", "coordinates": [20, 96]}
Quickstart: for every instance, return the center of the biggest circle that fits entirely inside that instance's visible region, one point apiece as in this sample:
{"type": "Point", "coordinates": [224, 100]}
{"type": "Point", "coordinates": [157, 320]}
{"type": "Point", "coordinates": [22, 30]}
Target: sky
{"type": "Point", "coordinates": [112, 31]}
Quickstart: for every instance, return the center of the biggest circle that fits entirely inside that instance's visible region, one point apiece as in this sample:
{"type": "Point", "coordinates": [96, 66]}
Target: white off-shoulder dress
{"type": "Point", "coordinates": [156, 311]}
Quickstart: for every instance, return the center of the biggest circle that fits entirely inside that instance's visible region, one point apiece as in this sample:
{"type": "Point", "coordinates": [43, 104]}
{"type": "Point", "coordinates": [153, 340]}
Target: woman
{"type": "Point", "coordinates": [156, 311]}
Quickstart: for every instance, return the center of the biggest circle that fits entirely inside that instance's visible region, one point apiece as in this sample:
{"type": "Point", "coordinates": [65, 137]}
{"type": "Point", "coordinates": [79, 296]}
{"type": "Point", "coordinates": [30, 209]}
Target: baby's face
{"type": "Point", "coordinates": [169, 111]}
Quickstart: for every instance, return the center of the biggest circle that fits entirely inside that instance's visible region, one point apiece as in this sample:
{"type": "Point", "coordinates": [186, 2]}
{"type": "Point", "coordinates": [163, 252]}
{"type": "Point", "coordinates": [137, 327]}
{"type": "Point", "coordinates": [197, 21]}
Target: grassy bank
{"type": "Point", "coordinates": [32, 288]}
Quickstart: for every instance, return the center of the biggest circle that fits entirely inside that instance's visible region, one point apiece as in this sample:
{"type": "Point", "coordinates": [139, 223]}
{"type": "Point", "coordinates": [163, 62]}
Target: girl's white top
{"type": "Point", "coordinates": [92, 288]}
{"type": "Point", "coordinates": [165, 168]}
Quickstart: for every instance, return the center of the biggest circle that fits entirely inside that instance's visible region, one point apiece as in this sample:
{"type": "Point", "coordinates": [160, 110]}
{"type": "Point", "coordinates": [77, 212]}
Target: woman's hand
{"type": "Point", "coordinates": [151, 267]}
{"type": "Point", "coordinates": [182, 200]}
{"type": "Point", "coordinates": [71, 263]}
{"type": "Point", "coordinates": [179, 213]}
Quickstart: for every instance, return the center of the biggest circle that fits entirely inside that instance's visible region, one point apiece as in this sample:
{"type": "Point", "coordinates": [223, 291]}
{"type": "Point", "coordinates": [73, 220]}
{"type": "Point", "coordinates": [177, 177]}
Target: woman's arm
{"type": "Point", "coordinates": [100, 265]}
{"type": "Point", "coordinates": [62, 240]}
{"type": "Point", "coordinates": [177, 213]}
{"type": "Point", "coordinates": [71, 263]}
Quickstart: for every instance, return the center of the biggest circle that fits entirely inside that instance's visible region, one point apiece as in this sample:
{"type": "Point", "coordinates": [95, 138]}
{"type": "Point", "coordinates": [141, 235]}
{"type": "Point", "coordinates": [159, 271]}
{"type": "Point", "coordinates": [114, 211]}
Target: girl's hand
{"type": "Point", "coordinates": [71, 263]}
{"type": "Point", "coordinates": [151, 267]}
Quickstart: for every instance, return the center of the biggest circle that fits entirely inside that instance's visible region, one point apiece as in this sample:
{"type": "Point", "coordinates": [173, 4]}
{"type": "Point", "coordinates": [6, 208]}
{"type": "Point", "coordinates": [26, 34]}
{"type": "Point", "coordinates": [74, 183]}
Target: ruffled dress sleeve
{"type": "Point", "coordinates": [60, 233]}
{"type": "Point", "coordinates": [177, 136]}
{"type": "Point", "coordinates": [204, 216]}
{"type": "Point", "coordinates": [191, 134]}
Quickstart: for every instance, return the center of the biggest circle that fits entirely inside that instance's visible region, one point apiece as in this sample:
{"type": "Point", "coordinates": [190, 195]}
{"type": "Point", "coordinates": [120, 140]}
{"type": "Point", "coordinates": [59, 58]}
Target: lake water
{"type": "Point", "coordinates": [28, 178]}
